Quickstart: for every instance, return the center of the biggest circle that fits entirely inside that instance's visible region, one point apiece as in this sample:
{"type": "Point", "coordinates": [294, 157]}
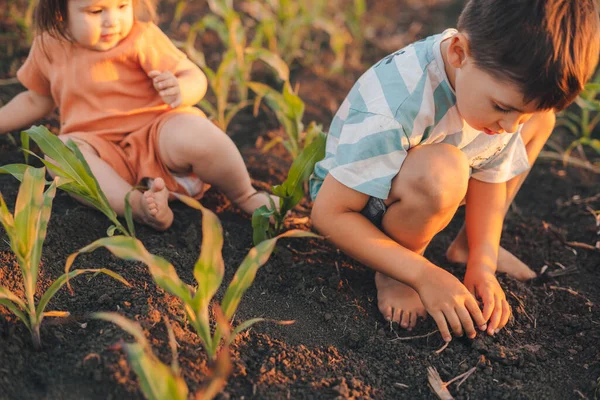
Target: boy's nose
{"type": "Point", "coordinates": [509, 126]}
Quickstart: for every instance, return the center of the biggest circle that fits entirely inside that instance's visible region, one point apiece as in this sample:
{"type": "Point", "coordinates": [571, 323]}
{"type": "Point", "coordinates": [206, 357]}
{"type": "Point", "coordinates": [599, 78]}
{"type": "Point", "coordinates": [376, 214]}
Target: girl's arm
{"type": "Point", "coordinates": [23, 110]}
{"type": "Point", "coordinates": [192, 82]}
{"type": "Point", "coordinates": [186, 87]}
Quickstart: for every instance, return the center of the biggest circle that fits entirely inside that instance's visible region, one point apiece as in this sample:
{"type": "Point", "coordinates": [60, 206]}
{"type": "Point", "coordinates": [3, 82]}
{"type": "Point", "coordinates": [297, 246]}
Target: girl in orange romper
{"type": "Point", "coordinates": [126, 95]}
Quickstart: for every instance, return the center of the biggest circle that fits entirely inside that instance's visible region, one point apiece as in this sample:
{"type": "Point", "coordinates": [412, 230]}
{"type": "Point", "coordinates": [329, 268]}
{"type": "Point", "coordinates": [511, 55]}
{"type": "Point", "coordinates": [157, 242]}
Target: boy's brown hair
{"type": "Point", "coordinates": [549, 48]}
{"type": "Point", "coordinates": [51, 16]}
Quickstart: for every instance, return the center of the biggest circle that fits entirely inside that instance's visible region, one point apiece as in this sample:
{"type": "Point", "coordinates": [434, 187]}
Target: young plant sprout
{"type": "Point", "coordinates": [208, 272]}
{"type": "Point", "coordinates": [267, 222]}
{"type": "Point", "coordinates": [26, 230]}
{"type": "Point", "coordinates": [68, 163]}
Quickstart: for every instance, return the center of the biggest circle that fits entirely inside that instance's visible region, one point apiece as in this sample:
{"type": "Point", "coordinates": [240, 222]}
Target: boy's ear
{"type": "Point", "coordinates": [458, 50]}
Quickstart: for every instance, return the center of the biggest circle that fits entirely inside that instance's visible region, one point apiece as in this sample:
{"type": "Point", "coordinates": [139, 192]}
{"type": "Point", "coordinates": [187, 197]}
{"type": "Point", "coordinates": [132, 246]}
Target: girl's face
{"type": "Point", "coordinates": [100, 24]}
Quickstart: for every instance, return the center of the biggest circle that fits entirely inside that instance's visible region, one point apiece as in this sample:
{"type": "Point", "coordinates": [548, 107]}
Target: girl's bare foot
{"type": "Point", "coordinates": [249, 203]}
{"type": "Point", "coordinates": [154, 206]}
{"type": "Point", "coordinates": [398, 302]}
{"type": "Point", "coordinates": [458, 252]}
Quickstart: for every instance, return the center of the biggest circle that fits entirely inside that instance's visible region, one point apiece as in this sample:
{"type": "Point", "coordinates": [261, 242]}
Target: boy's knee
{"type": "Point", "coordinates": [443, 178]}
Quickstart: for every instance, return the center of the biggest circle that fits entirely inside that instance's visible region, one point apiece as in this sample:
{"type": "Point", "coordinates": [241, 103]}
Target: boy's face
{"type": "Point", "coordinates": [486, 103]}
{"type": "Point", "coordinates": [100, 24]}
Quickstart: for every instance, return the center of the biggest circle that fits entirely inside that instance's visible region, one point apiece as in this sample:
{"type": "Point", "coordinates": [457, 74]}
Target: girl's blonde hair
{"type": "Point", "coordinates": [51, 16]}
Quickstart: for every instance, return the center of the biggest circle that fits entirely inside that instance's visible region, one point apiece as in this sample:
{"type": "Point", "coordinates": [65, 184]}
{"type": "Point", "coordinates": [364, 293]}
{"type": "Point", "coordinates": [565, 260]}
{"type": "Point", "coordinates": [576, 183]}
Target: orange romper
{"type": "Point", "coordinates": [107, 100]}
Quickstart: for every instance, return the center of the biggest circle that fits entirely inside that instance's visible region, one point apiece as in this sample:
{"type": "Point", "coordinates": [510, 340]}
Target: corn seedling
{"type": "Point", "coordinates": [583, 122]}
{"type": "Point", "coordinates": [234, 71]}
{"type": "Point", "coordinates": [67, 162]}
{"type": "Point", "coordinates": [288, 28]}
{"type": "Point", "coordinates": [26, 231]}
{"type": "Point", "coordinates": [157, 380]}
{"type": "Point", "coordinates": [290, 192]}
{"type": "Point", "coordinates": [208, 272]}
{"type": "Point", "coordinates": [289, 110]}
{"type": "Point", "coordinates": [354, 21]}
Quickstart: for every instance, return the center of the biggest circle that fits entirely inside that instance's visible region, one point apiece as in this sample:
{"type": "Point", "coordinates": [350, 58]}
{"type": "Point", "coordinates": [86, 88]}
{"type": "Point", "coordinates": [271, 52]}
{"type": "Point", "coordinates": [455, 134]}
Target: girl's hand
{"type": "Point", "coordinates": [167, 86]}
{"type": "Point", "coordinates": [482, 282]}
{"type": "Point", "coordinates": [449, 302]}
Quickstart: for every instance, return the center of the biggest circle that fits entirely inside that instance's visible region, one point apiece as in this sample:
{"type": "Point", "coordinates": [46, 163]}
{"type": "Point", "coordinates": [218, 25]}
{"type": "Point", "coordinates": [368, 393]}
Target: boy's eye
{"type": "Point", "coordinates": [124, 5]}
{"type": "Point", "coordinates": [95, 12]}
{"type": "Point", "coordinates": [502, 110]}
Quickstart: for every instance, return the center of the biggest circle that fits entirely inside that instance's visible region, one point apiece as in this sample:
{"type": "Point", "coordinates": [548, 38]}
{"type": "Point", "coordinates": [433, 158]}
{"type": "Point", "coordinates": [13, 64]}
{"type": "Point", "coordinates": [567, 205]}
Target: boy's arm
{"type": "Point", "coordinates": [336, 214]}
{"type": "Point", "coordinates": [23, 110]}
{"type": "Point", "coordinates": [485, 207]}
{"type": "Point", "coordinates": [186, 87]}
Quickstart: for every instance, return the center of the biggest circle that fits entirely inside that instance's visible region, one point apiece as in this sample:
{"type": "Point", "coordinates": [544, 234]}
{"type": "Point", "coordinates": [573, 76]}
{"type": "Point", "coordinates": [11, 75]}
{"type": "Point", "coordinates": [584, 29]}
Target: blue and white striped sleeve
{"type": "Point", "coordinates": [370, 151]}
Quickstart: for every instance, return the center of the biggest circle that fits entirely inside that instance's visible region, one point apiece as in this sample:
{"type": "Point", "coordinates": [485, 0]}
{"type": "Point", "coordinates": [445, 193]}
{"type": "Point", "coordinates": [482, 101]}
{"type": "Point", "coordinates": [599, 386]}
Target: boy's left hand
{"type": "Point", "coordinates": [167, 86]}
{"type": "Point", "coordinates": [482, 282]}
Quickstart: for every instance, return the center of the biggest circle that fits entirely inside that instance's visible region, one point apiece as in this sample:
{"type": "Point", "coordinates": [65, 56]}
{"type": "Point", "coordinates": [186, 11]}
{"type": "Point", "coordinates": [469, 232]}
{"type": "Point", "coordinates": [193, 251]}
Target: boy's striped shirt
{"type": "Point", "coordinates": [403, 101]}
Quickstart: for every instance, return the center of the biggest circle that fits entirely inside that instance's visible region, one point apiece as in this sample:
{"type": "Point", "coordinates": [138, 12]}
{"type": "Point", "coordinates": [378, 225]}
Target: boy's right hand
{"type": "Point", "coordinates": [449, 302]}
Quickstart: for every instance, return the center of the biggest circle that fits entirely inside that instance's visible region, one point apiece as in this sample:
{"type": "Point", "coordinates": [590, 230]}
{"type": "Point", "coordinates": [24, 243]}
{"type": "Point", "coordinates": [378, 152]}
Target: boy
{"type": "Point", "coordinates": [457, 118]}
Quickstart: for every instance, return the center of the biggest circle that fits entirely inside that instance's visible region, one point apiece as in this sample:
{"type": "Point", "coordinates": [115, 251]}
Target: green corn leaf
{"type": "Point", "coordinates": [7, 220]}
{"type": "Point", "coordinates": [593, 87]}
{"type": "Point", "coordinates": [246, 273]}
{"type": "Point", "coordinates": [92, 185]}
{"type": "Point", "coordinates": [216, 24]}
{"type": "Point", "coordinates": [40, 229]}
{"type": "Point", "coordinates": [208, 108]}
{"type": "Point", "coordinates": [28, 210]}
{"type": "Point", "coordinates": [54, 148]}
{"type": "Point", "coordinates": [64, 279]}
{"type": "Point", "coordinates": [243, 326]}
{"type": "Point", "coordinates": [261, 224]}
{"type": "Point", "coordinates": [16, 170]}
{"type": "Point", "coordinates": [595, 144]}
{"type": "Point", "coordinates": [25, 146]}
{"type": "Point", "coordinates": [271, 59]}
{"type": "Point", "coordinates": [128, 248]}
{"type": "Point", "coordinates": [590, 105]}
{"type": "Point", "coordinates": [221, 7]}
{"type": "Point", "coordinates": [15, 310]}
{"type": "Point", "coordinates": [210, 267]}
{"type": "Point", "coordinates": [291, 191]}
{"type": "Point", "coordinates": [133, 328]}
{"type": "Point", "coordinates": [157, 380]}
{"type": "Point", "coordinates": [6, 294]}
{"type": "Point", "coordinates": [129, 215]}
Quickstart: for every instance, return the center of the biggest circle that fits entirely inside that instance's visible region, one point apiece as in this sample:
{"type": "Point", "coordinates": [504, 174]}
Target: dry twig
{"type": "Point", "coordinates": [414, 337]}
{"type": "Point", "coordinates": [440, 388]}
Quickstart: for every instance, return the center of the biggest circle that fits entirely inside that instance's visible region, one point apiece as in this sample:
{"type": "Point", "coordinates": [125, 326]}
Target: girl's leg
{"type": "Point", "coordinates": [424, 197]}
{"type": "Point", "coordinates": [192, 143]}
{"type": "Point", "coordinates": [144, 206]}
{"type": "Point", "coordinates": [535, 133]}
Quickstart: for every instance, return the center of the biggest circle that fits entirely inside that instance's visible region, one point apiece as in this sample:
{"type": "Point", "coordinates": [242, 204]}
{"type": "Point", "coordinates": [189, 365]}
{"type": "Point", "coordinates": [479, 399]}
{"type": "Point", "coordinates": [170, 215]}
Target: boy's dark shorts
{"type": "Point", "coordinates": [374, 211]}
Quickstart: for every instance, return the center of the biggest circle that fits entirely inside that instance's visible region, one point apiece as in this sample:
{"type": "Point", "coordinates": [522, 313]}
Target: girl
{"type": "Point", "coordinates": [125, 95]}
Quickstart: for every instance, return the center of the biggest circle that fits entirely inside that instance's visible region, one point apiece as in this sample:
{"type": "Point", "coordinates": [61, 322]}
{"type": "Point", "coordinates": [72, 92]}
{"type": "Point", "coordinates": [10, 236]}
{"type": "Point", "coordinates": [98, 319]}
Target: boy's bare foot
{"type": "Point", "coordinates": [458, 252]}
{"type": "Point", "coordinates": [249, 203]}
{"type": "Point", "coordinates": [398, 302]}
{"type": "Point", "coordinates": [154, 206]}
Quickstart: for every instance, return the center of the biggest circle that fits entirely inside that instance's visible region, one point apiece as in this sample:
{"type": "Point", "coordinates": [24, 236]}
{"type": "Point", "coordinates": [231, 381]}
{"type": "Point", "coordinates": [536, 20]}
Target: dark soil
{"type": "Point", "coordinates": [339, 346]}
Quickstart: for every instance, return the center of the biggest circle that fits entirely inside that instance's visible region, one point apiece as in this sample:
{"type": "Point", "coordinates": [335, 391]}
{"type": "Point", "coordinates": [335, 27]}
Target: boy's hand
{"type": "Point", "coordinates": [449, 303]}
{"type": "Point", "coordinates": [482, 282]}
{"type": "Point", "coordinates": [167, 86]}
